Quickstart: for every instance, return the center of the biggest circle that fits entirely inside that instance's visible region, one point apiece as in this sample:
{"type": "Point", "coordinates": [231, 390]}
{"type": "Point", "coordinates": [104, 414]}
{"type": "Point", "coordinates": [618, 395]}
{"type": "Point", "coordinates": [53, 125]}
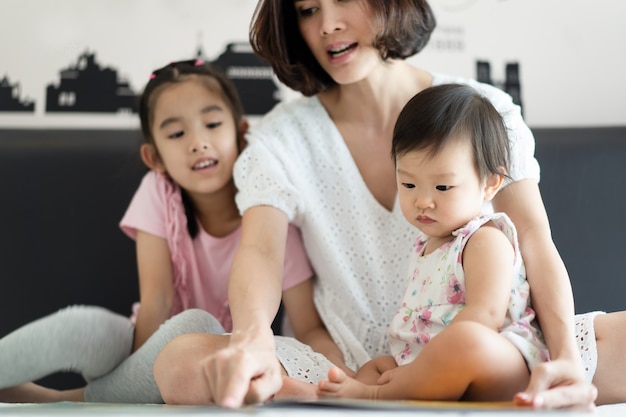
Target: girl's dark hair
{"type": "Point", "coordinates": [439, 114]}
{"type": "Point", "coordinates": [178, 72]}
{"type": "Point", "coordinates": [405, 28]}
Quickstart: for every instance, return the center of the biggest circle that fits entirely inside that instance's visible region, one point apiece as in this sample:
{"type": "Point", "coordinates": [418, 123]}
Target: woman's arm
{"type": "Point", "coordinates": [156, 287]}
{"type": "Point", "coordinates": [551, 292]}
{"type": "Point", "coordinates": [247, 371]}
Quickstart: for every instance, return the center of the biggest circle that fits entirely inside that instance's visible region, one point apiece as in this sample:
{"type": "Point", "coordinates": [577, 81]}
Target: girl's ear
{"type": "Point", "coordinates": [241, 134]}
{"type": "Point", "coordinates": [150, 157]}
{"type": "Point", "coordinates": [494, 182]}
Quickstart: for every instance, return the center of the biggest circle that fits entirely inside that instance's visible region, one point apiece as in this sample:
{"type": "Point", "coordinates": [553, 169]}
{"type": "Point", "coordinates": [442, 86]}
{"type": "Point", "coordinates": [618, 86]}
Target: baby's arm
{"type": "Point", "coordinates": [488, 259]}
{"type": "Point", "coordinates": [156, 285]}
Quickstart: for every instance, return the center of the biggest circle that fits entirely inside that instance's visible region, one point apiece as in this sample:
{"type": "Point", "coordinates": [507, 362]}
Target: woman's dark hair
{"type": "Point", "coordinates": [438, 115]}
{"type": "Point", "coordinates": [405, 28]}
{"type": "Point", "coordinates": [178, 72]}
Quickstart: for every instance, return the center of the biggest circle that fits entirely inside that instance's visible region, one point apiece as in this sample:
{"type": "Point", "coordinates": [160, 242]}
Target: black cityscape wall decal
{"type": "Point", "coordinates": [10, 100]}
{"type": "Point", "coordinates": [88, 87]}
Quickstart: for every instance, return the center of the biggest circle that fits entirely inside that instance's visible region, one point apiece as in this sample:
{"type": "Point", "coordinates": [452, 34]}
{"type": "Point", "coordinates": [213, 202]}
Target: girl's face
{"type": "Point", "coordinates": [441, 193]}
{"type": "Point", "coordinates": [340, 36]}
{"type": "Point", "coordinates": [195, 136]}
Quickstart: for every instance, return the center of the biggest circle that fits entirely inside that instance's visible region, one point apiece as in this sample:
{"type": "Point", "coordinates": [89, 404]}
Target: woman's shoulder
{"type": "Point", "coordinates": [299, 106]}
{"type": "Point", "coordinates": [494, 94]}
{"type": "Point", "coordinates": [289, 119]}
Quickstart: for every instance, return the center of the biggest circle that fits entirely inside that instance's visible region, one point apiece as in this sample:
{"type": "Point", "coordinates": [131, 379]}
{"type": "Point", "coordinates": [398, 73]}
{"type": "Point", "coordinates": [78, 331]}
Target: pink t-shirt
{"type": "Point", "coordinates": [201, 265]}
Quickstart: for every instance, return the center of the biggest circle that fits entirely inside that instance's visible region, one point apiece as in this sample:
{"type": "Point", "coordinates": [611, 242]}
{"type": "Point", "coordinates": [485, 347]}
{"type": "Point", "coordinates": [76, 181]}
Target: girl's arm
{"type": "Point", "coordinates": [552, 298]}
{"type": "Point", "coordinates": [488, 259]}
{"type": "Point", "coordinates": [156, 288]}
{"type": "Point", "coordinates": [307, 325]}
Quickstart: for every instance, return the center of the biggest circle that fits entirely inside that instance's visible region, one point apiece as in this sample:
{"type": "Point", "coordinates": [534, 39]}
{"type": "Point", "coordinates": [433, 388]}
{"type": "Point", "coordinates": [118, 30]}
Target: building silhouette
{"type": "Point", "coordinates": [87, 87]}
{"type": "Point", "coordinates": [10, 98]}
{"type": "Point", "coordinates": [511, 84]}
{"type": "Point", "coordinates": [252, 76]}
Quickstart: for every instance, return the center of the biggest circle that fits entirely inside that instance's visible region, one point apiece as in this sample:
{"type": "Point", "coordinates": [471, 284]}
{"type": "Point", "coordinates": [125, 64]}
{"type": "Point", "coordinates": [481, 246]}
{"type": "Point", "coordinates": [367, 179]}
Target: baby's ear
{"type": "Point", "coordinates": [493, 184]}
{"type": "Point", "coordinates": [150, 157]}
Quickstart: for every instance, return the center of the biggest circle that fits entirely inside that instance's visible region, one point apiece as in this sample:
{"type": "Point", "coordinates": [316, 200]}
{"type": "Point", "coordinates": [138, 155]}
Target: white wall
{"type": "Point", "coordinates": [572, 53]}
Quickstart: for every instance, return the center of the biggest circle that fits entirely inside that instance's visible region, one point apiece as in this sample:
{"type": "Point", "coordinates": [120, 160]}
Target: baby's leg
{"type": "Point", "coordinates": [610, 374]}
{"type": "Point", "coordinates": [83, 339]}
{"type": "Point", "coordinates": [466, 361]}
{"type": "Point", "coordinates": [340, 385]}
{"type": "Point", "coordinates": [132, 381]}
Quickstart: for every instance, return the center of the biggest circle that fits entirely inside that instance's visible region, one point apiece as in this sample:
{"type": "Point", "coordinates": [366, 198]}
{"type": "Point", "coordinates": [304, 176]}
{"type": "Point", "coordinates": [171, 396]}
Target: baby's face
{"type": "Point", "coordinates": [440, 193]}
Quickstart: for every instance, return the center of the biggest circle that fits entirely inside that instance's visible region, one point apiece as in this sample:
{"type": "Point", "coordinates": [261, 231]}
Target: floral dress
{"type": "Point", "coordinates": [435, 294]}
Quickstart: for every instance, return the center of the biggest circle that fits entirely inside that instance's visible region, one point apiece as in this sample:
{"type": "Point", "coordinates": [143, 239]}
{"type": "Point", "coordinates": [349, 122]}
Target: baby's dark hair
{"type": "Point", "coordinates": [439, 114]}
{"type": "Point", "coordinates": [176, 72]}
{"type": "Point", "coordinates": [404, 28]}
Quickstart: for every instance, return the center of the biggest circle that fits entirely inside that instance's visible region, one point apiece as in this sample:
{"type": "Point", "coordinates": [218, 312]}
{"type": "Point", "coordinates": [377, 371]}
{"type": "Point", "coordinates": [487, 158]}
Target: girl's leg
{"type": "Point", "coordinates": [466, 361]}
{"type": "Point", "coordinates": [132, 381]}
{"type": "Point", "coordinates": [610, 375]}
{"type": "Point", "coordinates": [83, 339]}
{"type": "Point", "coordinates": [33, 393]}
{"type": "Point", "coordinates": [187, 383]}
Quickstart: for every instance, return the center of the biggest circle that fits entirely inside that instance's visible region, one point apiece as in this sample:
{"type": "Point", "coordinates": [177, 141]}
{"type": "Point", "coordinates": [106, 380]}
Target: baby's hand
{"type": "Point", "coordinates": [385, 377]}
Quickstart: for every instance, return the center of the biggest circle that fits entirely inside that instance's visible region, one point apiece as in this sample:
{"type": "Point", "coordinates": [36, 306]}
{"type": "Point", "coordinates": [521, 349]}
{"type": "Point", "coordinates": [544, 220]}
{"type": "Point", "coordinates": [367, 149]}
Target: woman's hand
{"type": "Point", "coordinates": [200, 369]}
{"type": "Point", "coordinates": [243, 373]}
{"type": "Point", "coordinates": [556, 384]}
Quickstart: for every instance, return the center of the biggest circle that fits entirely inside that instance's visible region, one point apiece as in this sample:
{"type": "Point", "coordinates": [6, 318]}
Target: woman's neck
{"type": "Point", "coordinates": [377, 100]}
{"type": "Point", "coordinates": [365, 113]}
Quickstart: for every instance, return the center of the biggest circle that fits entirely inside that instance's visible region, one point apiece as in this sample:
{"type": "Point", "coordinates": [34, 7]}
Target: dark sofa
{"type": "Point", "coordinates": [64, 192]}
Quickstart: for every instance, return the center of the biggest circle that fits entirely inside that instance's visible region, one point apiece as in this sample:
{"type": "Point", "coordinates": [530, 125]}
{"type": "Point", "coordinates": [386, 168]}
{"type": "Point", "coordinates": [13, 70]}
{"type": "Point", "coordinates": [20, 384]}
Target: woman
{"type": "Point", "coordinates": [322, 162]}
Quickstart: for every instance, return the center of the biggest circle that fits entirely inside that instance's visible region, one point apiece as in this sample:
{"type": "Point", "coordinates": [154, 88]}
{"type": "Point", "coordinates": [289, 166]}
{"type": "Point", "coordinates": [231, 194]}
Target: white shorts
{"type": "Point", "coordinates": [300, 361]}
{"type": "Point", "coordinates": [586, 338]}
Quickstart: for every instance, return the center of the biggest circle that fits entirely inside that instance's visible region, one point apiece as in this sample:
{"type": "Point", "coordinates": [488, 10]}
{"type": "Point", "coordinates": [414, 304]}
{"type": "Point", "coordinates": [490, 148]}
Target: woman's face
{"type": "Point", "coordinates": [340, 35]}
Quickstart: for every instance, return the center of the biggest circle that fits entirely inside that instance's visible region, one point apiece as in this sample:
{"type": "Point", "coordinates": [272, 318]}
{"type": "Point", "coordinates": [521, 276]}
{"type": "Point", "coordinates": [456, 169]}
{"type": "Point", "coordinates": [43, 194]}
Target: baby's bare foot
{"type": "Point", "coordinates": [296, 390]}
{"type": "Point", "coordinates": [339, 385]}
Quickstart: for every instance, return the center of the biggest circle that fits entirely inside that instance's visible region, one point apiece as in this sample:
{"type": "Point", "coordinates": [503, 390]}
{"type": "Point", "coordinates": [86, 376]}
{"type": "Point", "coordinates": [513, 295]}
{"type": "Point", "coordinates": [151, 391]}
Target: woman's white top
{"type": "Point", "coordinates": [298, 162]}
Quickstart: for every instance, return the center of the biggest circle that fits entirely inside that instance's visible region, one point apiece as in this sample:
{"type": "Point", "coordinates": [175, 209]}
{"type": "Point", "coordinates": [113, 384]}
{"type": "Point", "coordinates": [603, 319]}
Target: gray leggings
{"type": "Point", "coordinates": [96, 343]}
